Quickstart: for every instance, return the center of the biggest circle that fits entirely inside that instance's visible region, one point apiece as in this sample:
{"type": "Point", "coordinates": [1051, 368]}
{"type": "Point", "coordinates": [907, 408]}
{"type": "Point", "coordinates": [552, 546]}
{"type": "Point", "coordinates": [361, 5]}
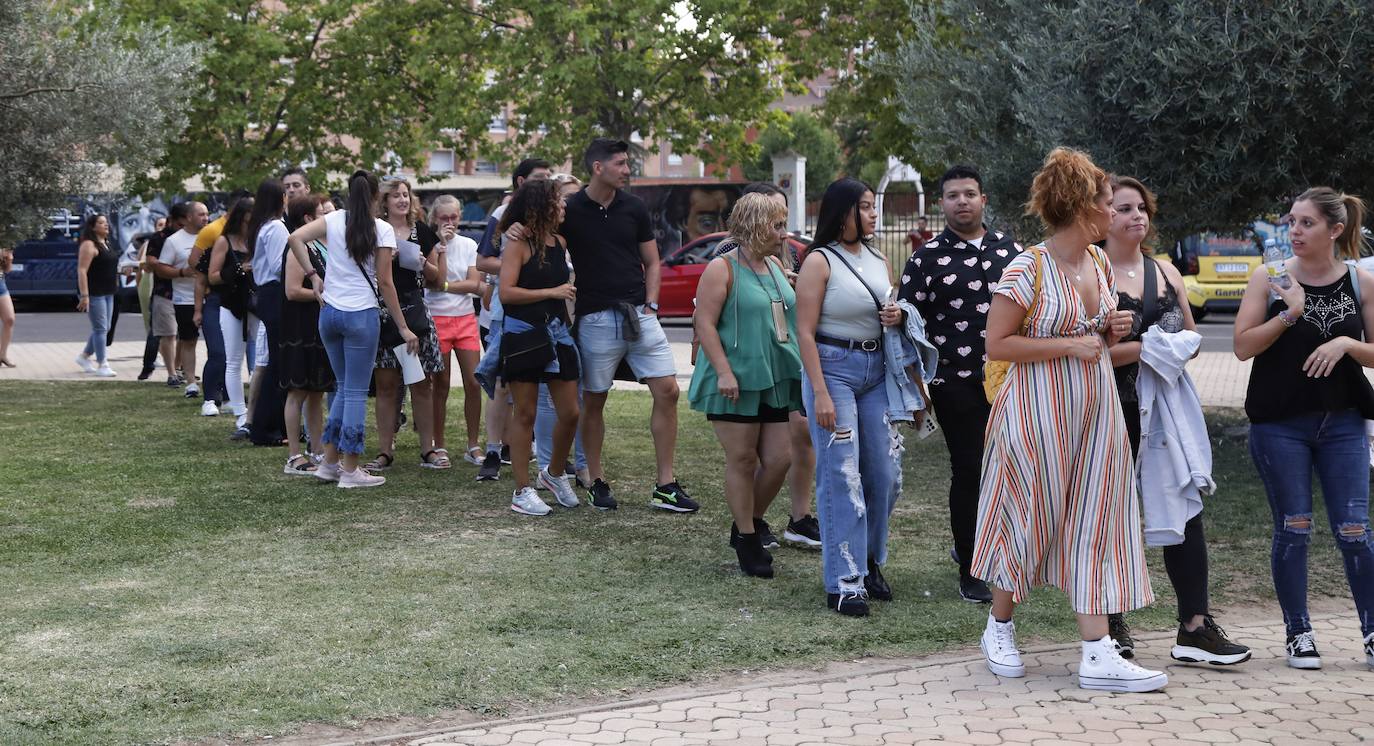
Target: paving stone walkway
{"type": "Point", "coordinates": [954, 699]}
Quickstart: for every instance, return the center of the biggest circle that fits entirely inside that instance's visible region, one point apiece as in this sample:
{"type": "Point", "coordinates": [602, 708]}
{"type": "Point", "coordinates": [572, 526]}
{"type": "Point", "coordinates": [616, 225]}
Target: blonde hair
{"type": "Point", "coordinates": [563, 180]}
{"type": "Point", "coordinates": [445, 200]}
{"type": "Point", "coordinates": [1065, 188]}
{"type": "Point", "coordinates": [1339, 207]}
{"type": "Point", "coordinates": [388, 186]}
{"type": "Point", "coordinates": [751, 224]}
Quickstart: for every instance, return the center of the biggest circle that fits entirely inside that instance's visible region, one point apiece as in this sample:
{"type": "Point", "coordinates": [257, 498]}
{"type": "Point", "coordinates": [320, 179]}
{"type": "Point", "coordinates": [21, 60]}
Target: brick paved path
{"type": "Point", "coordinates": [956, 700]}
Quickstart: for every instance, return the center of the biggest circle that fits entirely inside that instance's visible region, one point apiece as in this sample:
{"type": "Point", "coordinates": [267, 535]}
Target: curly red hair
{"type": "Point", "coordinates": [1065, 189]}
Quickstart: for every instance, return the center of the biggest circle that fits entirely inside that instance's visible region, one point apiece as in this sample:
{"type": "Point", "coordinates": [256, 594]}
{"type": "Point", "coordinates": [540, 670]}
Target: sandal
{"type": "Point", "coordinates": [377, 464]}
{"type": "Point", "coordinates": [5, 363]}
{"type": "Point", "coordinates": [299, 466]}
{"type": "Point", "coordinates": [440, 460]}
{"type": "Point", "coordinates": [475, 455]}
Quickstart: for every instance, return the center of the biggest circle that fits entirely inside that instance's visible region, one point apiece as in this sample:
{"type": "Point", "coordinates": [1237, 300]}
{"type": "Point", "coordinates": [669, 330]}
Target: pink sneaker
{"type": "Point", "coordinates": [359, 478]}
{"type": "Point", "coordinates": [328, 472]}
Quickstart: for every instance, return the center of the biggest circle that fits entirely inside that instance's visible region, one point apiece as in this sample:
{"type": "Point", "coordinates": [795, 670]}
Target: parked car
{"type": "Point", "coordinates": [681, 271]}
{"type": "Point", "coordinates": [1217, 267]}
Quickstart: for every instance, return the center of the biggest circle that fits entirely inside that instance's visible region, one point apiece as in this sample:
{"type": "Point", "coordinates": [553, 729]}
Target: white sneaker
{"type": "Point", "coordinates": [999, 648]}
{"type": "Point", "coordinates": [105, 371]}
{"type": "Point", "coordinates": [1103, 668]}
{"type": "Point", "coordinates": [192, 391]}
{"type": "Point", "coordinates": [328, 472]}
{"type": "Point", "coordinates": [1369, 650]}
{"type": "Point", "coordinates": [560, 488]}
{"type": "Point", "coordinates": [359, 477]}
{"type": "Point", "coordinates": [526, 502]}
{"type": "Point", "coordinates": [85, 363]}
{"type": "Point", "coordinates": [208, 409]}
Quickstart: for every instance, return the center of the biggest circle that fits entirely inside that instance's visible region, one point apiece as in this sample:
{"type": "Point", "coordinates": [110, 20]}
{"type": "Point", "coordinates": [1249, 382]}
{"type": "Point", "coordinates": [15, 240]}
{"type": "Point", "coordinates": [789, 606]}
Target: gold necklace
{"type": "Point", "coordinates": [1078, 266]}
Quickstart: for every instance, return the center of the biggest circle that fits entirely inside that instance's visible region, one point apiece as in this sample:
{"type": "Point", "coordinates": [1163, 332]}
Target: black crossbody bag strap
{"type": "Point", "coordinates": [1150, 303]}
{"type": "Point", "coordinates": [876, 301]}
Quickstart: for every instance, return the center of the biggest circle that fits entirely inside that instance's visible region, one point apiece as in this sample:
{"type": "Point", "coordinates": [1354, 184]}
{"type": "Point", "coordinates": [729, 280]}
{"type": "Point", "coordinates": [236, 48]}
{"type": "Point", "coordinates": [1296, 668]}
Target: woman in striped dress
{"type": "Point", "coordinates": [1057, 503]}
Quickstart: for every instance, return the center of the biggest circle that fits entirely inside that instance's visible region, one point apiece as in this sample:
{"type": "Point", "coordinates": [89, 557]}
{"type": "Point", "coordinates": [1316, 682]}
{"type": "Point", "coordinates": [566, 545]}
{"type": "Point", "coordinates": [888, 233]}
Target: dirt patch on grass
{"type": "Point", "coordinates": [152, 502]}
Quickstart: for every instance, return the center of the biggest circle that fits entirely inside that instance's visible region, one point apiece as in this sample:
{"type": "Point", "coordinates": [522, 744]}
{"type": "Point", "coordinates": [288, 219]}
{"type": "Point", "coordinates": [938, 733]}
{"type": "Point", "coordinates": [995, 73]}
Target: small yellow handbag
{"type": "Point", "coordinates": [995, 371]}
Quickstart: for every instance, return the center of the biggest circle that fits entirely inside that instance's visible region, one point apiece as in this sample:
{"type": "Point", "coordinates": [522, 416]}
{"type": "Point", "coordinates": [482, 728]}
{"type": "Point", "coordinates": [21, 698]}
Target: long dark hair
{"type": "Point", "coordinates": [268, 205]}
{"type": "Point", "coordinates": [360, 228]}
{"type": "Point", "coordinates": [300, 211]}
{"type": "Point", "coordinates": [88, 229]}
{"type": "Point", "coordinates": [535, 206]}
{"type": "Point", "coordinates": [239, 214]}
{"type": "Point", "coordinates": [841, 199]}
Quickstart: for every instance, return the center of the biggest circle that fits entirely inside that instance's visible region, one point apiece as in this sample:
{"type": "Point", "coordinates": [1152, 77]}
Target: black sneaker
{"type": "Point", "coordinates": [973, 590]}
{"type": "Point", "coordinates": [876, 584]}
{"type": "Point", "coordinates": [1208, 644]}
{"type": "Point", "coordinates": [490, 470]}
{"type": "Point", "coordinates": [765, 533]}
{"type": "Point", "coordinates": [672, 497]}
{"type": "Point", "coordinates": [144, 374]}
{"type": "Point", "coordinates": [505, 455]}
{"type": "Point", "coordinates": [1302, 651]}
{"type": "Point", "coordinates": [599, 495]}
{"type": "Point", "coordinates": [240, 433]}
{"type": "Point", "coordinates": [805, 531]}
{"type": "Point", "coordinates": [849, 603]}
{"type": "Point", "coordinates": [175, 381]}
{"type": "Point", "coordinates": [1121, 635]}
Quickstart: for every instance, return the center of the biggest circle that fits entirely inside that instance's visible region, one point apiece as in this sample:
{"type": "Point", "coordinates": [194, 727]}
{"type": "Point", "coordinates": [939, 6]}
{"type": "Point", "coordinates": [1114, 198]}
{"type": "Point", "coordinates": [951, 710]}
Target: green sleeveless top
{"type": "Point", "coordinates": [768, 372]}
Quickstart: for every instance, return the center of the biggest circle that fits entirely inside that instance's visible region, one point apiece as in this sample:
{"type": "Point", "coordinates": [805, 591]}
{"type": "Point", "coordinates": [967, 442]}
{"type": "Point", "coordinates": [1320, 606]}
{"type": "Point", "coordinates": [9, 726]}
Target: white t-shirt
{"type": "Point", "coordinates": [346, 288]}
{"type": "Point", "coordinates": [461, 255]}
{"type": "Point", "coordinates": [176, 252]}
{"type": "Point", "coordinates": [268, 252]}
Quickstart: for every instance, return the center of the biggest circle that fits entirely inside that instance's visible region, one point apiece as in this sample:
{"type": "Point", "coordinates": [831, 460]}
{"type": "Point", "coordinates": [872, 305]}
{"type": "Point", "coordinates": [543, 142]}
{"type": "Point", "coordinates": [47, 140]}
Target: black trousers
{"type": "Point", "coordinates": [269, 420]}
{"type": "Point", "coordinates": [1186, 563]}
{"type": "Point", "coordinates": [963, 411]}
{"type": "Point", "coordinates": [150, 353]}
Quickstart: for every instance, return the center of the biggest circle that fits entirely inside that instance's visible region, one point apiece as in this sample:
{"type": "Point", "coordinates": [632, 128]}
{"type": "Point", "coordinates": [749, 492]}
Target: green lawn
{"type": "Point", "coordinates": [165, 584]}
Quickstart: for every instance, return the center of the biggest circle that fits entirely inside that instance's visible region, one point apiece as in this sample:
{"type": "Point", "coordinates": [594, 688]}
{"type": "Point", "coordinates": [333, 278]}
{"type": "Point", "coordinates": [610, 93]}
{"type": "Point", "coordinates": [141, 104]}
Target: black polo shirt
{"type": "Point", "coordinates": [604, 244]}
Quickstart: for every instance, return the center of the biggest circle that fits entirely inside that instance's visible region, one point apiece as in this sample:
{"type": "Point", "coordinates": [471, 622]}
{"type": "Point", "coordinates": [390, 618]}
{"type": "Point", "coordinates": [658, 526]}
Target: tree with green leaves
{"type": "Point", "coordinates": [75, 101]}
{"type": "Point", "coordinates": [804, 133]}
{"type": "Point", "coordinates": [1225, 108]}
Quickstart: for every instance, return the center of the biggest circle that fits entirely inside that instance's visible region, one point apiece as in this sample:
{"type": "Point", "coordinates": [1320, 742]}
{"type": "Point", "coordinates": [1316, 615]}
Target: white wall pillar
{"type": "Point", "coordinates": [789, 173]}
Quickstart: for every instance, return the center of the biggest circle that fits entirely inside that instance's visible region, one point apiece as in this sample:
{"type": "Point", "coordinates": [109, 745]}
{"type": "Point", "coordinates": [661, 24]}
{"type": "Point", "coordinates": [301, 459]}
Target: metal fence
{"type": "Point", "coordinates": [897, 227]}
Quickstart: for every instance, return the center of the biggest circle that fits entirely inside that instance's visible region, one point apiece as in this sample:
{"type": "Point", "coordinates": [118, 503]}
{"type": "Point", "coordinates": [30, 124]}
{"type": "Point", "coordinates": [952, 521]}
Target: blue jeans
{"type": "Point", "coordinates": [544, 419]}
{"type": "Point", "coordinates": [350, 339]}
{"type": "Point", "coordinates": [212, 375]}
{"type": "Point", "coordinates": [857, 466]}
{"type": "Point", "coordinates": [1286, 454]}
{"type": "Point", "coordinates": [99, 309]}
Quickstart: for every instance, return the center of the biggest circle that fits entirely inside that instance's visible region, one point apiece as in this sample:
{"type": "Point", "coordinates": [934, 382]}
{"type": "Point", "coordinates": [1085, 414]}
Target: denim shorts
{"type": "Point", "coordinates": [603, 346]}
{"type": "Point", "coordinates": [4, 289]}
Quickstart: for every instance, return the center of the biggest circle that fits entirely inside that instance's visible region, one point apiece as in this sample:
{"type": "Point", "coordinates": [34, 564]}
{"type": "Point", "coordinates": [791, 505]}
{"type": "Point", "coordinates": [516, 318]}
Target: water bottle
{"type": "Point", "coordinates": [1277, 265]}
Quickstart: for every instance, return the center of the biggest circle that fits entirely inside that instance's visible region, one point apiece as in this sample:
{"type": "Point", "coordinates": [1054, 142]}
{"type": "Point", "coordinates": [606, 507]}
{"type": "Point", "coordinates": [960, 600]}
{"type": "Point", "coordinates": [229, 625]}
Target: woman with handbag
{"type": "Point", "coordinates": [840, 316]}
{"type": "Point", "coordinates": [359, 246]}
{"type": "Point", "coordinates": [97, 279]}
{"type": "Point", "coordinates": [230, 279]}
{"type": "Point", "coordinates": [1057, 501]}
{"type": "Point", "coordinates": [750, 381]}
{"type": "Point", "coordinates": [535, 345]}
{"type": "Point", "coordinates": [419, 260]}
{"type": "Point", "coordinates": [305, 371]}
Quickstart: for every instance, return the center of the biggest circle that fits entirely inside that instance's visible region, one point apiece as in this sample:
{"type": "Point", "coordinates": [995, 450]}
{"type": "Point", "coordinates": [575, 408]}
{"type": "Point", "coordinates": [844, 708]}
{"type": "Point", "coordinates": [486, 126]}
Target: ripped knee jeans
{"type": "Point", "coordinates": [1333, 446]}
{"type": "Point", "coordinates": [857, 466]}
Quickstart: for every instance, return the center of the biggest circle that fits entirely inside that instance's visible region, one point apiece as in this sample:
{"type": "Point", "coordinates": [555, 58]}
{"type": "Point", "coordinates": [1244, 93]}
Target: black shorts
{"type": "Point", "coordinates": [767, 416]}
{"type": "Point", "coordinates": [187, 331]}
{"type": "Point", "coordinates": [569, 368]}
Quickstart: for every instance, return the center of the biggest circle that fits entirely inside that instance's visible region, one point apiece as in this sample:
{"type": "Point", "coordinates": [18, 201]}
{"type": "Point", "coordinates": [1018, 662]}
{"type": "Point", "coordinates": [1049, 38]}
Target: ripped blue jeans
{"type": "Point", "coordinates": [1286, 454]}
{"type": "Point", "coordinates": [350, 339]}
{"type": "Point", "coordinates": [857, 466]}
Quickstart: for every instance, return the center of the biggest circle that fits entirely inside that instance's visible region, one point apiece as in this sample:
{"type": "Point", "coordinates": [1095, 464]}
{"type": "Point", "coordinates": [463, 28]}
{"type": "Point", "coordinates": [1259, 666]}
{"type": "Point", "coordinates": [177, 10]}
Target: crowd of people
{"type": "Point", "coordinates": [1057, 373]}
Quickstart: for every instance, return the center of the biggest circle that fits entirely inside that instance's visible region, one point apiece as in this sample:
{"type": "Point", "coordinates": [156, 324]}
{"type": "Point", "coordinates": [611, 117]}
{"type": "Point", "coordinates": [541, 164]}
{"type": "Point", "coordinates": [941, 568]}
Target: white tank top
{"type": "Point", "coordinates": [847, 311]}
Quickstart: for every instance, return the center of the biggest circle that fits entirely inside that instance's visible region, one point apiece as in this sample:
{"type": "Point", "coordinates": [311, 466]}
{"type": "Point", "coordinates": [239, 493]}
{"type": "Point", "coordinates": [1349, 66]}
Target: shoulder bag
{"type": "Point", "coordinates": [995, 371]}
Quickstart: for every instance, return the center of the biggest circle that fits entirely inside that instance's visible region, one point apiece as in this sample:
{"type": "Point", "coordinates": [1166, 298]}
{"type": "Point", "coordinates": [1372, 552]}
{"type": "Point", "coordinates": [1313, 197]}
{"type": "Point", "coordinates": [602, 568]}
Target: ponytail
{"type": "Point", "coordinates": [360, 231]}
{"type": "Point", "coordinates": [1348, 244]}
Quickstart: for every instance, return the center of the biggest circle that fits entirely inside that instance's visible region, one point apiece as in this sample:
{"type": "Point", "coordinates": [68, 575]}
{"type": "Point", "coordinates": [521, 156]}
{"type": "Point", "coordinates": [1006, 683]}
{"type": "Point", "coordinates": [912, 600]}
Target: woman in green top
{"type": "Point", "coordinates": [750, 380]}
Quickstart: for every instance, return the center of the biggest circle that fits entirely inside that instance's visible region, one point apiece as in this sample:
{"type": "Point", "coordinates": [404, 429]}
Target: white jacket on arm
{"type": "Point", "coordinates": [1174, 470]}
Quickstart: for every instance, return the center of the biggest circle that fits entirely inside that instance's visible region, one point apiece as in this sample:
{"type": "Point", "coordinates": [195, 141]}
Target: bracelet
{"type": "Point", "coordinates": [1286, 318]}
{"type": "Point", "coordinates": [445, 286]}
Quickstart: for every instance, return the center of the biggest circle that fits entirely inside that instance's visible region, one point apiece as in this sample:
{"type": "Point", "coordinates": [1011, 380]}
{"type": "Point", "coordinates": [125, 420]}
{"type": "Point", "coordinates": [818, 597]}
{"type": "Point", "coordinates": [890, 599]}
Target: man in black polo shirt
{"type": "Point", "coordinates": [950, 281]}
{"type": "Point", "coordinates": [611, 240]}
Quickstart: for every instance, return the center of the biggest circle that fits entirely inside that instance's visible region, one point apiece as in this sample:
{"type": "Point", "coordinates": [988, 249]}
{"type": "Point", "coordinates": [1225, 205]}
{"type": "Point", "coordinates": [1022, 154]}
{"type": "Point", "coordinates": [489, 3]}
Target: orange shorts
{"type": "Point", "coordinates": [457, 333]}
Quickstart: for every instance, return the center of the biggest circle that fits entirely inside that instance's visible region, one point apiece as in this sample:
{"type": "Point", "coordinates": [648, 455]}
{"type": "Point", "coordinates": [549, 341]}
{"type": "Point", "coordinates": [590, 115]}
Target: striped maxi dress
{"type": "Point", "coordinates": [1057, 502]}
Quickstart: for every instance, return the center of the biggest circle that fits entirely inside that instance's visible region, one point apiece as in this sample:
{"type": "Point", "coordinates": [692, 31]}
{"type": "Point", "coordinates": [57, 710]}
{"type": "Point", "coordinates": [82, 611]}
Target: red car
{"type": "Point", "coordinates": [680, 272]}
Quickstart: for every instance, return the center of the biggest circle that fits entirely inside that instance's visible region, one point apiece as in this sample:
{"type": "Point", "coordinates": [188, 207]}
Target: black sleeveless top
{"type": "Point", "coordinates": [1279, 388]}
{"type": "Point", "coordinates": [233, 293]}
{"type": "Point", "coordinates": [538, 275]}
{"type": "Point", "coordinates": [102, 277]}
{"type": "Point", "coordinates": [1167, 316]}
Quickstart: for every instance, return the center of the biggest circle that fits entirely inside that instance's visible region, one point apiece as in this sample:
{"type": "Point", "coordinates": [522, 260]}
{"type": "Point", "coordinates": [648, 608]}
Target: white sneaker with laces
{"type": "Point", "coordinates": [562, 491]}
{"type": "Point", "coordinates": [1102, 668]}
{"type": "Point", "coordinates": [328, 472]}
{"type": "Point", "coordinates": [999, 648]}
{"type": "Point", "coordinates": [526, 502]}
{"type": "Point", "coordinates": [359, 477]}
{"type": "Point", "coordinates": [85, 363]}
{"type": "Point", "coordinates": [208, 409]}
{"type": "Point", "coordinates": [105, 371]}
{"type": "Point", "coordinates": [1369, 650]}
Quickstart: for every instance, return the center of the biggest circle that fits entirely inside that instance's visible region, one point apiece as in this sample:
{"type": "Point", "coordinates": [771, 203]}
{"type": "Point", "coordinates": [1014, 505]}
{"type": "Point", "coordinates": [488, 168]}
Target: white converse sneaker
{"type": "Point", "coordinates": [562, 491]}
{"type": "Point", "coordinates": [999, 648]}
{"type": "Point", "coordinates": [1103, 668]}
{"type": "Point", "coordinates": [208, 409]}
{"type": "Point", "coordinates": [328, 472]}
{"type": "Point", "coordinates": [85, 363]}
{"type": "Point", "coordinates": [359, 477]}
{"type": "Point", "coordinates": [105, 371]}
{"type": "Point", "coordinates": [526, 502]}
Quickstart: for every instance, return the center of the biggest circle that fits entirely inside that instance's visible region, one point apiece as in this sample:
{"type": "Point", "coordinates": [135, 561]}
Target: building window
{"type": "Point", "coordinates": [498, 123]}
{"type": "Point", "coordinates": [486, 167]}
{"type": "Point", "coordinates": [674, 159]}
{"type": "Point", "coordinates": [441, 162]}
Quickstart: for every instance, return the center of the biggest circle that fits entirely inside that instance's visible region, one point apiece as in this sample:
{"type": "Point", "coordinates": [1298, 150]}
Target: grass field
{"type": "Point", "coordinates": [164, 584]}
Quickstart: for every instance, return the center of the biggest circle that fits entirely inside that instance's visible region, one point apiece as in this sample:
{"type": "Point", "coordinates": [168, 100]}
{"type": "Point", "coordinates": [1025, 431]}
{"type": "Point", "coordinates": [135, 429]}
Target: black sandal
{"type": "Point", "coordinates": [376, 464]}
{"type": "Point", "coordinates": [299, 466]}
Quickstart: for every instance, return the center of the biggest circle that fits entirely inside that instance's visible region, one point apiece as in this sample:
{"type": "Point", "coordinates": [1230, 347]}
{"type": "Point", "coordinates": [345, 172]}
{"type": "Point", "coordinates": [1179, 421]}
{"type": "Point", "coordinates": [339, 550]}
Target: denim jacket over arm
{"type": "Point", "coordinates": [908, 357]}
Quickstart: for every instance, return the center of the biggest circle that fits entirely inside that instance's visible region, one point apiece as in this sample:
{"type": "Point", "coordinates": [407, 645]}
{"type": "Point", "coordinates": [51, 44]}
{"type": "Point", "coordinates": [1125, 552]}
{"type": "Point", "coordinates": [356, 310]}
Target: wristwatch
{"type": "Point", "coordinates": [652, 307]}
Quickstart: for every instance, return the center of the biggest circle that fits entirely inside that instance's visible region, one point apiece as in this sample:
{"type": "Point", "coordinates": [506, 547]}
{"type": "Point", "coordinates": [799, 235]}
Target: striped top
{"type": "Point", "coordinates": [1057, 504]}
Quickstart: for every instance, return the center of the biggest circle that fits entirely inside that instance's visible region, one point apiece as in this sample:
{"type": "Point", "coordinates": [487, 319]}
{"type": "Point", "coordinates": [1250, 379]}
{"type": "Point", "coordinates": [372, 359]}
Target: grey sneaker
{"type": "Point", "coordinates": [560, 488]}
{"type": "Point", "coordinates": [526, 502]}
{"type": "Point", "coordinates": [328, 472]}
{"type": "Point", "coordinates": [358, 478]}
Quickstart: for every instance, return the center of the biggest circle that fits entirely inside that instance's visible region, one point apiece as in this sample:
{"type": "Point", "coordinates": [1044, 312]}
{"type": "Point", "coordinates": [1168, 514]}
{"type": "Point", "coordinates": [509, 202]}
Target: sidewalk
{"type": "Point", "coordinates": [955, 699]}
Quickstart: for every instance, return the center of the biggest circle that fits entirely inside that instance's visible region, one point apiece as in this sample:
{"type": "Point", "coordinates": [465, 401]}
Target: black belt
{"type": "Point", "coordinates": [867, 345]}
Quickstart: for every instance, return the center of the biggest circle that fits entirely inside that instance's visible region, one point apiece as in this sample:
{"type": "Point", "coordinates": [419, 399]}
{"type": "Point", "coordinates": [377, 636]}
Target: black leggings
{"type": "Point", "coordinates": [1186, 563]}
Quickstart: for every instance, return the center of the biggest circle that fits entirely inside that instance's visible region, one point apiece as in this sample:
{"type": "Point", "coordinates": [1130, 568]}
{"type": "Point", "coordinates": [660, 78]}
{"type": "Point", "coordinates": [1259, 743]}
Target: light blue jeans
{"type": "Point", "coordinates": [544, 419]}
{"type": "Point", "coordinates": [350, 339]}
{"type": "Point", "coordinates": [856, 466]}
{"type": "Point", "coordinates": [99, 311]}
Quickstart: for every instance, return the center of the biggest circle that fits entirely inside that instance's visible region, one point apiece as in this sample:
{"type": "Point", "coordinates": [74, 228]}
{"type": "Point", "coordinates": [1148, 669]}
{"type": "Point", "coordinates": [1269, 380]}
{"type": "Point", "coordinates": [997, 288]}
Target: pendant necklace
{"type": "Point", "coordinates": [1077, 275]}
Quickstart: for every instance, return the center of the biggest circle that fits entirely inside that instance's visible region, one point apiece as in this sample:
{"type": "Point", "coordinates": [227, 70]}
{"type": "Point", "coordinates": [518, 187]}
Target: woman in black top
{"type": "Point", "coordinates": [1133, 210]}
{"type": "Point", "coordinates": [97, 279]}
{"type": "Point", "coordinates": [1307, 402]}
{"type": "Point", "coordinates": [305, 371]}
{"type": "Point", "coordinates": [535, 345]}
{"type": "Point", "coordinates": [229, 277]}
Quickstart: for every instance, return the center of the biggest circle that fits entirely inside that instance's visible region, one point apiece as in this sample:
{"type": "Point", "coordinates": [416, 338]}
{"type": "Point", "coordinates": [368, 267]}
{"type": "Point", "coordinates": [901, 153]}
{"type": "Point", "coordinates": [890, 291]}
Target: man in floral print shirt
{"type": "Point", "coordinates": [950, 281]}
